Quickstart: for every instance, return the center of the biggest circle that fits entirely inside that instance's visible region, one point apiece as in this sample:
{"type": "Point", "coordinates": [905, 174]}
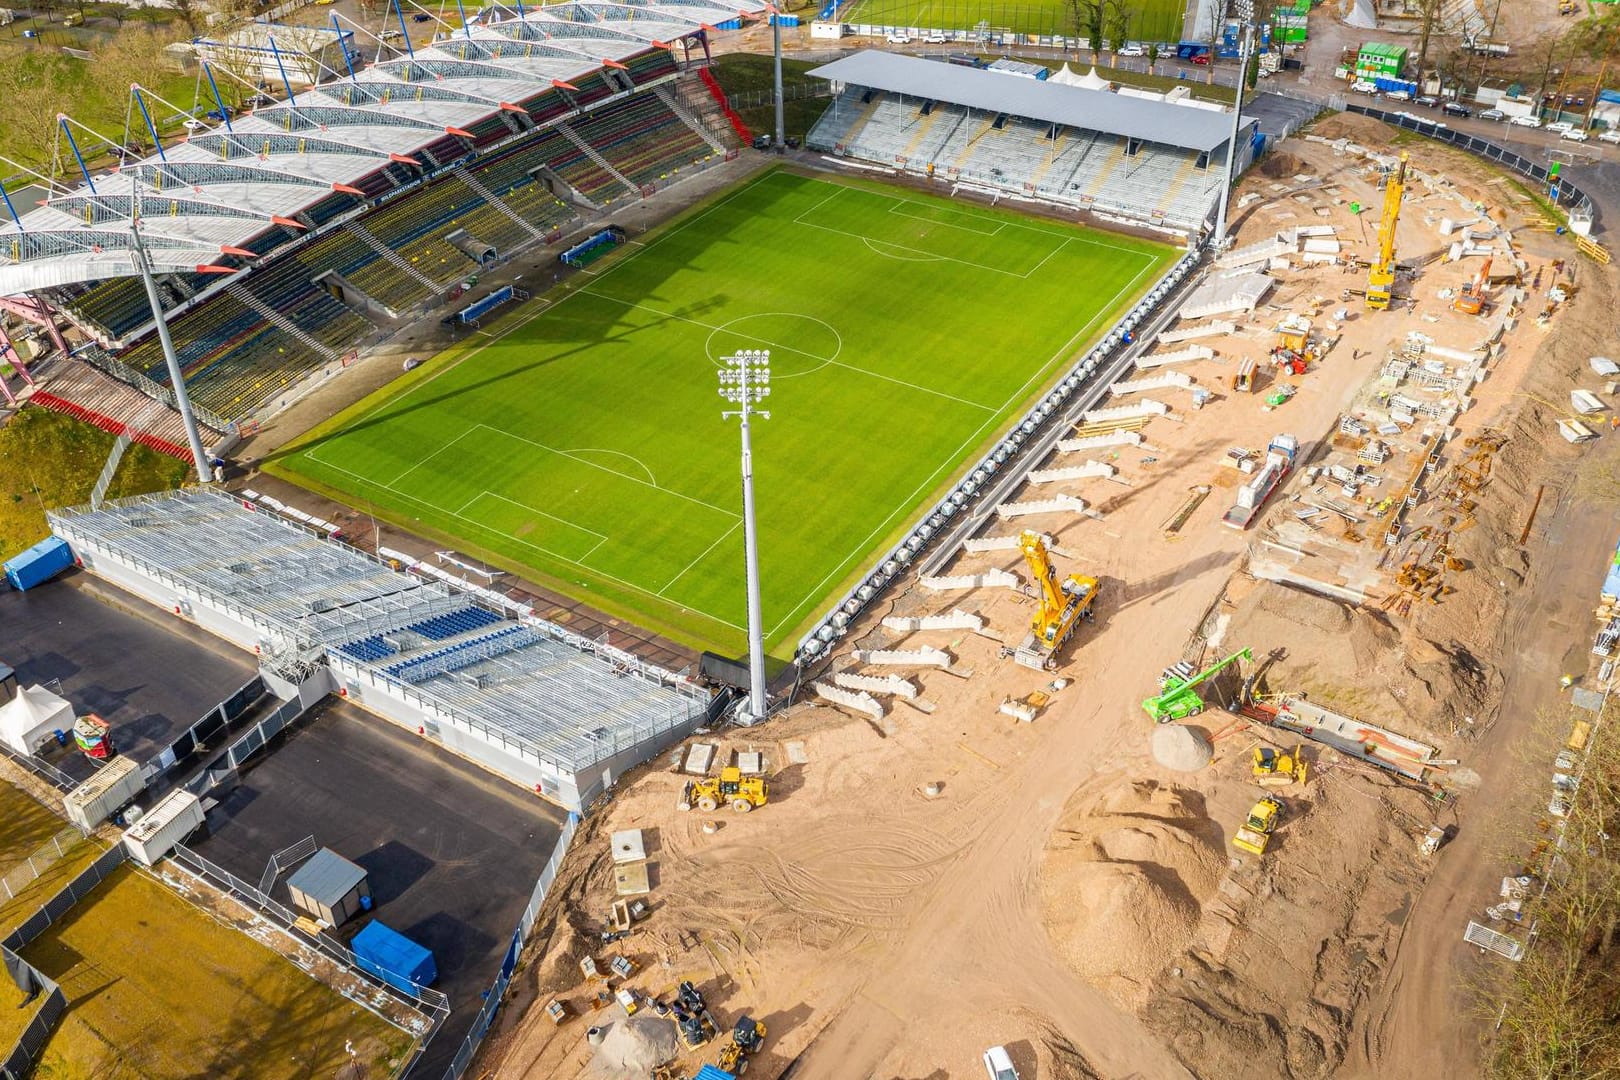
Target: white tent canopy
{"type": "Point", "coordinates": [1066, 76]}
{"type": "Point", "coordinates": [28, 720]}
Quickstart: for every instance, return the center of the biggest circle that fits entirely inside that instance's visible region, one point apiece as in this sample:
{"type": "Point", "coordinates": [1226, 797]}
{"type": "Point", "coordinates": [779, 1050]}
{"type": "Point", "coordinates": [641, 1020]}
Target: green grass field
{"type": "Point", "coordinates": [583, 443]}
{"type": "Point", "coordinates": [157, 988]}
{"type": "Point", "coordinates": [1150, 20]}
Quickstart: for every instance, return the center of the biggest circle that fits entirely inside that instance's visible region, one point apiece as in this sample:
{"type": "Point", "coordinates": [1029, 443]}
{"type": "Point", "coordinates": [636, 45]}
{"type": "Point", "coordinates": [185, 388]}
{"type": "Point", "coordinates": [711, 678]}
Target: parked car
{"type": "Point", "coordinates": [421, 16]}
{"type": "Point", "coordinates": [1364, 86]}
{"type": "Point", "coordinates": [192, 123]}
{"type": "Point", "coordinates": [1574, 135]}
{"type": "Point", "coordinates": [1526, 121]}
{"type": "Point", "coordinates": [1426, 102]}
{"type": "Point", "coordinates": [1493, 114]}
{"type": "Point", "coordinates": [998, 1064]}
{"type": "Point", "coordinates": [220, 114]}
{"type": "Point", "coordinates": [899, 38]}
{"type": "Point", "coordinates": [1132, 48]}
{"type": "Point", "coordinates": [1202, 59]}
{"type": "Point", "coordinates": [936, 38]}
{"type": "Point", "coordinates": [762, 142]}
{"type": "Point", "coordinates": [1560, 127]}
{"type": "Point", "coordinates": [1452, 108]}
{"type": "Point", "coordinates": [1610, 136]}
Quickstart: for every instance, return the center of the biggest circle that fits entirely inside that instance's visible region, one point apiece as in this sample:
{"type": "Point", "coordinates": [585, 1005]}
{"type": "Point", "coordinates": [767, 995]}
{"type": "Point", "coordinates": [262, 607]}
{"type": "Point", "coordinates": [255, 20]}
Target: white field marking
{"type": "Point", "coordinates": [671, 582]}
{"type": "Point", "coordinates": [788, 348]}
{"type": "Point", "coordinates": [1036, 268]}
{"type": "Point", "coordinates": [838, 189]}
{"type": "Point", "coordinates": [872, 246]}
{"type": "Point", "coordinates": [604, 575]}
{"type": "Point", "coordinates": [895, 209]}
{"type": "Point", "coordinates": [651, 479]}
{"type": "Point", "coordinates": [726, 327]}
{"type": "Point", "coordinates": [601, 538]}
{"type": "Point", "coordinates": [952, 460]}
{"type": "Point", "coordinates": [428, 457]}
{"type": "Point", "coordinates": [612, 472]}
{"type": "Point", "coordinates": [930, 256]}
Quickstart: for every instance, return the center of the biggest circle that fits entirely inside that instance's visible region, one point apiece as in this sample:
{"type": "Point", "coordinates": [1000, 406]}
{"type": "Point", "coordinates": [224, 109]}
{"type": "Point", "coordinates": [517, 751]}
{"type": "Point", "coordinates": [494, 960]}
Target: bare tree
{"type": "Point", "coordinates": [190, 15]}
{"type": "Point", "coordinates": [31, 98]}
{"type": "Point", "coordinates": [1598, 36]}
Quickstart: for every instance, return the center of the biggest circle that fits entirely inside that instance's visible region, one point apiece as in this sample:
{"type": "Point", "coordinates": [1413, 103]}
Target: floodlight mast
{"type": "Point", "coordinates": [1244, 10]}
{"type": "Point", "coordinates": [745, 381]}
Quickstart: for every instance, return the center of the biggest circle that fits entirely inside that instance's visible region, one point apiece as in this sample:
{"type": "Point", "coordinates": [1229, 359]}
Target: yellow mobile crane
{"type": "Point", "coordinates": [1062, 604]}
{"type": "Point", "coordinates": [1381, 278]}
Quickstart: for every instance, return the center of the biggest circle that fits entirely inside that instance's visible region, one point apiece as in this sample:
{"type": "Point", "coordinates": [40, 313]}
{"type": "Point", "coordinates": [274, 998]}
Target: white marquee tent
{"type": "Point", "coordinates": [28, 720]}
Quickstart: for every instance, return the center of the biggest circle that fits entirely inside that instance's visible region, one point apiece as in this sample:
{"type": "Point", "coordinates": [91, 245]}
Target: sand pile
{"type": "Point", "coordinates": [1360, 129]}
{"type": "Point", "coordinates": [633, 1047]}
{"type": "Point", "coordinates": [1280, 165]}
{"type": "Point", "coordinates": [1181, 748]}
{"type": "Point", "coordinates": [1123, 880]}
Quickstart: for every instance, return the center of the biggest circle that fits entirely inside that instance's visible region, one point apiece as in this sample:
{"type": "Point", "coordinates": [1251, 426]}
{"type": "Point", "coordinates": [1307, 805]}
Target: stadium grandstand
{"type": "Point", "coordinates": [286, 238]}
{"type": "Point", "coordinates": [547, 709]}
{"type": "Point", "coordinates": [1155, 162]}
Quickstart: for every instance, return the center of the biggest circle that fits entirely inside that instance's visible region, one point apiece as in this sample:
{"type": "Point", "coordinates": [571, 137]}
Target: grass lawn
{"type": "Point", "coordinates": [28, 825]}
{"type": "Point", "coordinates": [49, 460]}
{"type": "Point", "coordinates": [1151, 20]}
{"type": "Point", "coordinates": [30, 898]}
{"type": "Point", "coordinates": [157, 988]}
{"type": "Point", "coordinates": [582, 442]}
{"type": "Point", "coordinates": [749, 75]}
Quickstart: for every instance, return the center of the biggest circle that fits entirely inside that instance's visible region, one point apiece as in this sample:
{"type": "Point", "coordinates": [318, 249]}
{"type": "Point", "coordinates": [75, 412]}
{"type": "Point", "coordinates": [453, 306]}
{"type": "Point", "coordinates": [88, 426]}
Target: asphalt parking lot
{"type": "Point", "coordinates": [451, 852]}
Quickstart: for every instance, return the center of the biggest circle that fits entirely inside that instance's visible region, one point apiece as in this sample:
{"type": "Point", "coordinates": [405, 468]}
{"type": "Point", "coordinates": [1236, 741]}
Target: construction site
{"type": "Point", "coordinates": [1147, 770]}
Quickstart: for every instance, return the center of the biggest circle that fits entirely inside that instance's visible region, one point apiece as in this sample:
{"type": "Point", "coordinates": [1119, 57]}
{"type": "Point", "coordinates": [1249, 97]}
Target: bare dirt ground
{"type": "Point", "coordinates": [1064, 894]}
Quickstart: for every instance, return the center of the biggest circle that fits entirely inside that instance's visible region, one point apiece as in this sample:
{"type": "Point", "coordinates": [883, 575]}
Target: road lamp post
{"type": "Point", "coordinates": [745, 381]}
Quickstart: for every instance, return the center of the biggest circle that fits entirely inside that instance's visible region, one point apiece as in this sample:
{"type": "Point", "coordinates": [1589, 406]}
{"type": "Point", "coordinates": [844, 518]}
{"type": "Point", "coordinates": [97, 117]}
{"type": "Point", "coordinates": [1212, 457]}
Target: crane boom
{"type": "Point", "coordinates": [1381, 278]}
{"type": "Point", "coordinates": [1178, 695]}
{"type": "Point", "coordinates": [1062, 604]}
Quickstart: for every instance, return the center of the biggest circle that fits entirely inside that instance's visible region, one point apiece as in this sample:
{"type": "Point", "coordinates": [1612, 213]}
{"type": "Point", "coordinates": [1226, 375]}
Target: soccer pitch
{"type": "Point", "coordinates": [583, 445]}
{"type": "Point", "coordinates": [1153, 20]}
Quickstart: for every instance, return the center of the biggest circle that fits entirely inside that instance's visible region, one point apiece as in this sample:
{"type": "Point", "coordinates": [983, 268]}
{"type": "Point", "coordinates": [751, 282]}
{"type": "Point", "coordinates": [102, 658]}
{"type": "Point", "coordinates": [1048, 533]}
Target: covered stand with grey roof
{"type": "Point", "coordinates": [1140, 159]}
{"type": "Point", "coordinates": [329, 887]}
{"type": "Point", "coordinates": [552, 711]}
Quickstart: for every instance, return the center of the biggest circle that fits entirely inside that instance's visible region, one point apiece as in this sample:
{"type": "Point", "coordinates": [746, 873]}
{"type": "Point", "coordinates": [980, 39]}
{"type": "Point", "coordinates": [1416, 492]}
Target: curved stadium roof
{"type": "Point", "coordinates": [223, 187]}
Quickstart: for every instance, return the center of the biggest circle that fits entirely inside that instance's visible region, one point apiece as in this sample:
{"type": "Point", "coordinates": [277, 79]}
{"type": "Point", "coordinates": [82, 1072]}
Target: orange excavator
{"type": "Point", "coordinates": [1471, 301]}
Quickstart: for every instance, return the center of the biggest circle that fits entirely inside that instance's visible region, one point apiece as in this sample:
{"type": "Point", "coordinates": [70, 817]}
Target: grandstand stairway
{"type": "Point", "coordinates": [276, 318]}
{"type": "Point", "coordinates": [690, 119]}
{"type": "Point", "coordinates": [392, 257]}
{"type": "Point", "coordinates": [80, 391]}
{"type": "Point", "coordinates": [597, 159]}
{"type": "Point", "coordinates": [489, 197]}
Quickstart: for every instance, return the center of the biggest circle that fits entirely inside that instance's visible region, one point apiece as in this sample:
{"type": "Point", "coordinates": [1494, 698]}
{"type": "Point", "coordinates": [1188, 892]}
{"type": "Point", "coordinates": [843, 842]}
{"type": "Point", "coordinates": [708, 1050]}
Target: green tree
{"type": "Point", "coordinates": [1116, 19]}
{"type": "Point", "coordinates": [1087, 16]}
{"type": "Point", "coordinates": [1598, 36]}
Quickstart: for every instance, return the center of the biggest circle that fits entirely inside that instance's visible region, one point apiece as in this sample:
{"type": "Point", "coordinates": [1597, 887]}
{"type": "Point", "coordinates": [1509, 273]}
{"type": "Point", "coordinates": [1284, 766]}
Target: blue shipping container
{"type": "Point", "coordinates": [393, 957]}
{"type": "Point", "coordinates": [713, 1072]}
{"type": "Point", "coordinates": [39, 563]}
{"type": "Point", "coordinates": [1611, 582]}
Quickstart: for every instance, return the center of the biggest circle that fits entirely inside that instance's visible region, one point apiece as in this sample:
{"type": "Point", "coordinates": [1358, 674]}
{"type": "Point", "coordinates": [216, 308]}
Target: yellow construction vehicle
{"type": "Point", "coordinates": [1381, 278]}
{"type": "Point", "coordinates": [1274, 768]}
{"type": "Point", "coordinates": [1255, 833]}
{"type": "Point", "coordinates": [743, 793]}
{"type": "Point", "coordinates": [1471, 301]}
{"type": "Point", "coordinates": [1062, 605]}
{"type": "Point", "coordinates": [746, 1039]}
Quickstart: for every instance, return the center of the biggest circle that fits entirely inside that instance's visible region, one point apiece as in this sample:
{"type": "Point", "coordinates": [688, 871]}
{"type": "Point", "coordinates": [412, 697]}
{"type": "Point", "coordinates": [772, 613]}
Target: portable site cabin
{"type": "Point", "coordinates": [174, 818]}
{"type": "Point", "coordinates": [330, 888]}
{"type": "Point", "coordinates": [393, 957]}
{"type": "Point", "coordinates": [32, 718]}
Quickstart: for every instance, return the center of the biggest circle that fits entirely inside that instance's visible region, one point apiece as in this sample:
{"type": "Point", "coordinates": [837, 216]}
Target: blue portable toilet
{"type": "Point", "coordinates": [39, 563]}
{"type": "Point", "coordinates": [393, 957]}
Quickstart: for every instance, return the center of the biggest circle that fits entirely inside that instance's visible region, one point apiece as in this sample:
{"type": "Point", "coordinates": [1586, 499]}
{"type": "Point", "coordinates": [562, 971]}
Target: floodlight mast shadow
{"type": "Point", "coordinates": [745, 381]}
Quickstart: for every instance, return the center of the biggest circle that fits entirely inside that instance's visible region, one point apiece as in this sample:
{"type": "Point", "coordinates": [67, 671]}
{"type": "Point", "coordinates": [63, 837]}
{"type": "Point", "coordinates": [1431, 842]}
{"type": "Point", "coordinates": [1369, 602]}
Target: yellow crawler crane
{"type": "Point", "coordinates": [1381, 278]}
{"type": "Point", "coordinates": [1062, 605]}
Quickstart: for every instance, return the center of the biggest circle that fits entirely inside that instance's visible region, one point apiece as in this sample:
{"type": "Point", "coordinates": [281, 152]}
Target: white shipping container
{"type": "Point", "coordinates": [164, 826]}
{"type": "Point", "coordinates": [95, 800]}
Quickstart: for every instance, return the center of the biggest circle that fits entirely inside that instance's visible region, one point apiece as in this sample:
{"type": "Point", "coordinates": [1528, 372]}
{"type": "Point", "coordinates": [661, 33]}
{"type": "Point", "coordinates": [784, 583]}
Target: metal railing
{"type": "Point", "coordinates": [109, 470]}
{"type": "Point", "coordinates": [497, 992]}
{"type": "Point", "coordinates": [58, 905]}
{"type": "Point", "coordinates": [19, 1063]}
{"type": "Point", "coordinates": [32, 868]}
{"type": "Point", "coordinates": [213, 722]}
{"type": "Point", "coordinates": [429, 1006]}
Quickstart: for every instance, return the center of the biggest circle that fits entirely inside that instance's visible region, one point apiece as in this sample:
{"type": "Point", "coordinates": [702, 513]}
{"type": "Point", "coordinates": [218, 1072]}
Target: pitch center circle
{"type": "Point", "coordinates": [799, 344]}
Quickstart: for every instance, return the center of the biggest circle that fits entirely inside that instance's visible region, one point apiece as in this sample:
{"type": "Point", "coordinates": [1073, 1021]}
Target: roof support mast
{"type": "Point", "coordinates": [177, 378]}
{"type": "Point", "coordinates": [1245, 13]}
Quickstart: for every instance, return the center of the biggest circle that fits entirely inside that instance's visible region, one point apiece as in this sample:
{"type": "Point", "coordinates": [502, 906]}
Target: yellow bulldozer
{"type": "Point", "coordinates": [746, 1039]}
{"type": "Point", "coordinates": [1276, 768]}
{"type": "Point", "coordinates": [731, 787]}
{"type": "Point", "coordinates": [1255, 833]}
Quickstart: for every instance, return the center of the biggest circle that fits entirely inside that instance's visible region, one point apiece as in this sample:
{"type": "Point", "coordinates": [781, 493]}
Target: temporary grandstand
{"type": "Point", "coordinates": [287, 237]}
{"type": "Point", "coordinates": [547, 709]}
{"type": "Point", "coordinates": [1157, 162]}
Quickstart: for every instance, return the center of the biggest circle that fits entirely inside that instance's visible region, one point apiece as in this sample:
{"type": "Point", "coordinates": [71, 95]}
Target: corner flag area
{"type": "Point", "coordinates": [580, 442]}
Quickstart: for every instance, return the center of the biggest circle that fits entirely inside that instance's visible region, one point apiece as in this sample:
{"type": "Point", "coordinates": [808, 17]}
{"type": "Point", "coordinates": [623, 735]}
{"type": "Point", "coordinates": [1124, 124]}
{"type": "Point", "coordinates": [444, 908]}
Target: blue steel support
{"type": "Point", "coordinates": [74, 144]}
{"type": "Point", "coordinates": [146, 114]}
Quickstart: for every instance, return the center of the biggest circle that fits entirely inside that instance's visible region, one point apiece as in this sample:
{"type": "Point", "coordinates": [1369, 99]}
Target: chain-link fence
{"type": "Point", "coordinates": [19, 1063]}
{"type": "Point", "coordinates": [57, 907]}
{"type": "Point", "coordinates": [497, 992]}
{"type": "Point", "coordinates": [48, 855]}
